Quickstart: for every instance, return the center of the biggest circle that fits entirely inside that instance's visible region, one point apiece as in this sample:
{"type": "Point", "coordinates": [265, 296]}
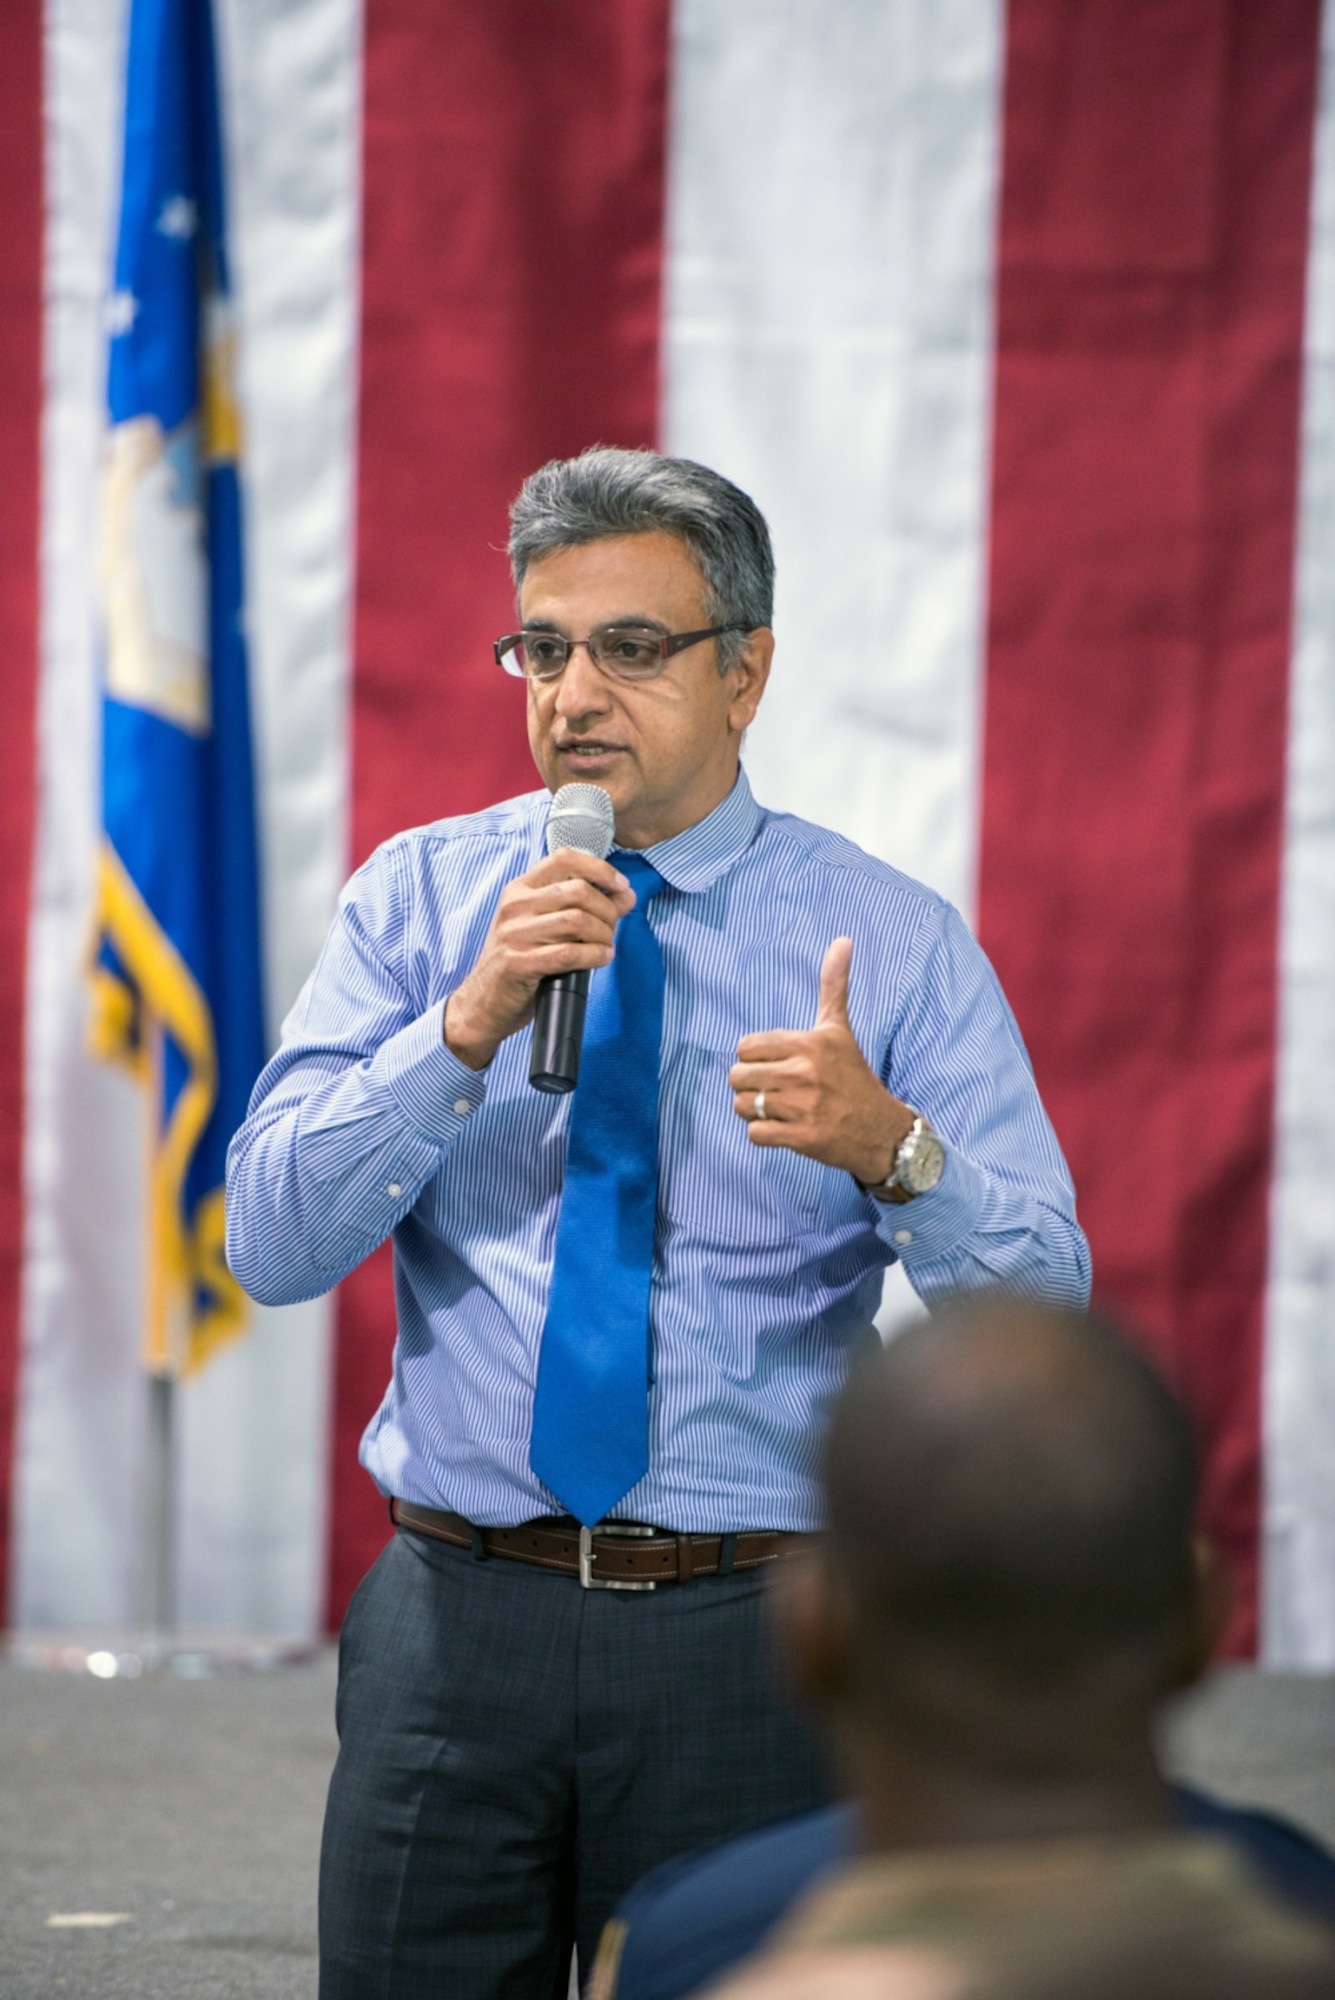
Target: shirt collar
{"type": "Point", "coordinates": [695, 859]}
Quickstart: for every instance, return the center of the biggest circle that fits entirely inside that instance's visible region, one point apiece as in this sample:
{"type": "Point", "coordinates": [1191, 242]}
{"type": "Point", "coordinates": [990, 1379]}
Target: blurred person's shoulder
{"type": "Point", "coordinates": [947, 1923]}
{"type": "Point", "coordinates": [694, 1917]}
{"type": "Point", "coordinates": [1291, 1860]}
{"type": "Point", "coordinates": [863, 1972]}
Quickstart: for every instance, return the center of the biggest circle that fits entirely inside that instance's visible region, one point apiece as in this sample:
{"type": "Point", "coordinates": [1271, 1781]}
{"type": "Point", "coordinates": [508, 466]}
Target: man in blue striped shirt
{"type": "Point", "coordinates": [840, 1085]}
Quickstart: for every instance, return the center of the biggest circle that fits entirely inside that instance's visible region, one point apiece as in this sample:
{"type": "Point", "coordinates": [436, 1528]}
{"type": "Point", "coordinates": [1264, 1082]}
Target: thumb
{"type": "Point", "coordinates": [833, 1009]}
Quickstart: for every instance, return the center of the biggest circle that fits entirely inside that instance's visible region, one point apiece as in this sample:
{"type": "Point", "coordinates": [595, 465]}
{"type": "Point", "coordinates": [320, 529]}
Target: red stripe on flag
{"type": "Point", "coordinates": [20, 417]}
{"type": "Point", "coordinates": [1153, 238]}
{"type": "Point", "coordinates": [513, 223]}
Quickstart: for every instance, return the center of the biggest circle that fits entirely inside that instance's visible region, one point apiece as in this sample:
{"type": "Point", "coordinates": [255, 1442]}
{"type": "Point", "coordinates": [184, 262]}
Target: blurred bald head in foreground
{"type": "Point", "coordinates": [1010, 1586]}
{"type": "Point", "coordinates": [1009, 1591]}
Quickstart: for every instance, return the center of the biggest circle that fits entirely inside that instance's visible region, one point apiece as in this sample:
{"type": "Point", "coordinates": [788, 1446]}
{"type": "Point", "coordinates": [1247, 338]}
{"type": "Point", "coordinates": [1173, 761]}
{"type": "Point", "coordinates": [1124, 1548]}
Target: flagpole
{"type": "Point", "coordinates": [159, 1610]}
{"type": "Point", "coordinates": [158, 1587]}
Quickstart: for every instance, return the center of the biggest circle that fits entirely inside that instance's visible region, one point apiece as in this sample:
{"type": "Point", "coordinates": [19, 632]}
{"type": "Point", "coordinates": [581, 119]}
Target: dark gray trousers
{"type": "Point", "coordinates": [516, 1751]}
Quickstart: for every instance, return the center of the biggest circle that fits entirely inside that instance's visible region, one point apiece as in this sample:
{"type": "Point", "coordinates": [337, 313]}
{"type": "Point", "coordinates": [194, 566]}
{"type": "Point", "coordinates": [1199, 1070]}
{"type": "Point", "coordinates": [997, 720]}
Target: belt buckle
{"type": "Point", "coordinates": [632, 1531]}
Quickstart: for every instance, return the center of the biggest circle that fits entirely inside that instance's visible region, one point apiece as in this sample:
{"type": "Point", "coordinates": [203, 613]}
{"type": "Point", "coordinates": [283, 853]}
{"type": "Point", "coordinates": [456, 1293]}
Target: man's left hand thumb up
{"type": "Point", "coordinates": [832, 1010]}
{"type": "Point", "coordinates": [813, 1091]}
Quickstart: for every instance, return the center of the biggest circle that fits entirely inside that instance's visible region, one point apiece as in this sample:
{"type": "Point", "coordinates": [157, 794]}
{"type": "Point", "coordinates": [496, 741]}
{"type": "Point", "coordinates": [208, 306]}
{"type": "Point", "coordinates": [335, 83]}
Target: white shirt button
{"type": "Point", "coordinates": [903, 1236]}
{"type": "Point", "coordinates": [462, 1106]}
{"type": "Point", "coordinates": [394, 1190]}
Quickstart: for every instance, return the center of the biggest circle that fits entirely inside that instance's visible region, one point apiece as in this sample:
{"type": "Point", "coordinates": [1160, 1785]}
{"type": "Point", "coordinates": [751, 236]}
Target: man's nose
{"type": "Point", "coordinates": [581, 690]}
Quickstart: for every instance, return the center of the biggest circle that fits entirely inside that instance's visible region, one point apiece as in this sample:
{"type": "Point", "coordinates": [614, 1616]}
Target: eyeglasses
{"type": "Point", "coordinates": [626, 652]}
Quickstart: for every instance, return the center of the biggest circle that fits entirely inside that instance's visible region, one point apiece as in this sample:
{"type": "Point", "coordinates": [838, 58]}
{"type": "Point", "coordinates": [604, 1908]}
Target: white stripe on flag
{"type": "Point", "coordinates": [254, 1445]}
{"type": "Point", "coordinates": [828, 344]}
{"type": "Point", "coordinates": [1299, 1416]}
{"type": "Point", "coordinates": [80, 1397]}
{"type": "Point", "coordinates": [831, 201]}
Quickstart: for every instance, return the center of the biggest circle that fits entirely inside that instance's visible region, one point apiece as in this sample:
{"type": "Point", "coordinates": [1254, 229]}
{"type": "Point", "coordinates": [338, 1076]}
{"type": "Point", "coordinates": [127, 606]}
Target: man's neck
{"type": "Point", "coordinates": [913, 1795]}
{"type": "Point", "coordinates": [651, 825]}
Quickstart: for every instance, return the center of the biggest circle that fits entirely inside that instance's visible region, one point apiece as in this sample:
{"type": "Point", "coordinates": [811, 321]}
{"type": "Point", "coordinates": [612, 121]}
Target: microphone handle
{"type": "Point", "coordinates": [558, 1030]}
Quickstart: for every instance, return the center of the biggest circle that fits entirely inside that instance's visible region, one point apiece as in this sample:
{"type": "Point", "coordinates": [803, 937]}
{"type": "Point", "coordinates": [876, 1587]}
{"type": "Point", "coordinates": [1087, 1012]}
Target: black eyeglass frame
{"type": "Point", "coordinates": [669, 643]}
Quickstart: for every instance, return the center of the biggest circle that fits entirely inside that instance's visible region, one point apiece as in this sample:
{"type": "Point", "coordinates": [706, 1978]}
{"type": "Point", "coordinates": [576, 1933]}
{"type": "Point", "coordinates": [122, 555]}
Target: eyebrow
{"type": "Point", "coordinates": [639, 618]}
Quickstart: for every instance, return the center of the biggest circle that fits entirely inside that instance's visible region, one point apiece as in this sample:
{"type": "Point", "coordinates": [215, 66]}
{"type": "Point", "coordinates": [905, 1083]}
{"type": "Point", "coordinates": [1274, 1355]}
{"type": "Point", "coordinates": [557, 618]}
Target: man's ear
{"type": "Point", "coordinates": [813, 1621]}
{"type": "Point", "coordinates": [749, 673]}
{"type": "Point", "coordinates": [1204, 1614]}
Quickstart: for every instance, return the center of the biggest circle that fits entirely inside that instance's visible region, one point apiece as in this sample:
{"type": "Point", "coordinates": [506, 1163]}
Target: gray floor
{"type": "Point", "coordinates": [192, 1809]}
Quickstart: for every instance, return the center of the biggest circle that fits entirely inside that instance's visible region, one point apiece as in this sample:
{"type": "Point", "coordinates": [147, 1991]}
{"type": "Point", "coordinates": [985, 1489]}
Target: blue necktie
{"type": "Point", "coordinates": [590, 1441]}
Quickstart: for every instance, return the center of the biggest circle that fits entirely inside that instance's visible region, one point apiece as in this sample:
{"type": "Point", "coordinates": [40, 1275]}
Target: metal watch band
{"type": "Point", "coordinates": [881, 1190]}
{"type": "Point", "coordinates": [892, 1183]}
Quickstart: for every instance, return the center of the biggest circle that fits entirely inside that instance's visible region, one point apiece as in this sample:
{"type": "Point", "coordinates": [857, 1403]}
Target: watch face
{"type": "Point", "coordinates": [922, 1161]}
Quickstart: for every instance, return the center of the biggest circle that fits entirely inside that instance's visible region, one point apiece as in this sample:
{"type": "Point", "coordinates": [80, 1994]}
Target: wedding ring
{"type": "Point", "coordinates": [760, 1105]}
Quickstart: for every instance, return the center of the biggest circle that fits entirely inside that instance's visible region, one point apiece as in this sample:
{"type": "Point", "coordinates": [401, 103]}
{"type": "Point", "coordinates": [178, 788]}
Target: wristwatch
{"type": "Point", "coordinates": [918, 1165]}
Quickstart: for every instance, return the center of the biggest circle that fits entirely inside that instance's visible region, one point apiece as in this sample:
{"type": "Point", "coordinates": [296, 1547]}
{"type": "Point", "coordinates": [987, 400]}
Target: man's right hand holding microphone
{"type": "Point", "coordinates": [559, 917]}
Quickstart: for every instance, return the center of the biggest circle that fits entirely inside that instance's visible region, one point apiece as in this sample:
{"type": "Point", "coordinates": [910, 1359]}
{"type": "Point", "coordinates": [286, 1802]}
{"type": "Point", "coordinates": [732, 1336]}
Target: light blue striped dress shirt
{"type": "Point", "coordinates": [767, 1266]}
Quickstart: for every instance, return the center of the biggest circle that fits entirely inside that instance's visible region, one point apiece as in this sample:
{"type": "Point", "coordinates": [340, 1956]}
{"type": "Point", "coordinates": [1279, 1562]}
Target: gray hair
{"type": "Point", "coordinates": [606, 491]}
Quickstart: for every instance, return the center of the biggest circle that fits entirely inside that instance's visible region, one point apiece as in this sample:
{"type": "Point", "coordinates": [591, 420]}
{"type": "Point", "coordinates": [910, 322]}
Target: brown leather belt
{"type": "Point", "coordinates": [617, 1555]}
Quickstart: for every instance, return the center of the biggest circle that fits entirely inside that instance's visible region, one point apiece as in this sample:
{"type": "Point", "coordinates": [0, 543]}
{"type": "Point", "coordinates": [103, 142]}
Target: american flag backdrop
{"type": "Point", "coordinates": [1017, 317]}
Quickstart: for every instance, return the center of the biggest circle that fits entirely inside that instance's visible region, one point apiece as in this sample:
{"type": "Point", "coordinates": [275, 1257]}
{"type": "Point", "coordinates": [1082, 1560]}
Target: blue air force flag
{"type": "Point", "coordinates": [176, 970]}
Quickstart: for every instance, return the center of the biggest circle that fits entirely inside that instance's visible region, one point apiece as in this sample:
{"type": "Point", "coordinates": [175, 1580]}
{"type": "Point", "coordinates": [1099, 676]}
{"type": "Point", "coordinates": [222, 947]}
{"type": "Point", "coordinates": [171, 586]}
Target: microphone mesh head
{"type": "Point", "coordinates": [581, 817]}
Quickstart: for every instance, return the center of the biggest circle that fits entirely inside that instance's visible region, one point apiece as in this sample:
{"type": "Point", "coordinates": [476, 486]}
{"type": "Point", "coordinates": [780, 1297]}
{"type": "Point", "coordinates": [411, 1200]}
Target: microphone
{"type": "Point", "coordinates": [581, 818]}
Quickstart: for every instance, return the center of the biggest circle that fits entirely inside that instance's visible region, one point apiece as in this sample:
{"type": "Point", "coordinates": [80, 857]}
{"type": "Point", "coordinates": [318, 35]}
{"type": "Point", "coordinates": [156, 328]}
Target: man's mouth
{"type": "Point", "coordinates": [586, 749]}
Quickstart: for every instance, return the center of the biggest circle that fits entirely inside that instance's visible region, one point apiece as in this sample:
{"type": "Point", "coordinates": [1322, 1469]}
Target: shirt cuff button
{"type": "Point", "coordinates": [394, 1190]}
{"type": "Point", "coordinates": [462, 1106]}
{"type": "Point", "coordinates": [903, 1236]}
